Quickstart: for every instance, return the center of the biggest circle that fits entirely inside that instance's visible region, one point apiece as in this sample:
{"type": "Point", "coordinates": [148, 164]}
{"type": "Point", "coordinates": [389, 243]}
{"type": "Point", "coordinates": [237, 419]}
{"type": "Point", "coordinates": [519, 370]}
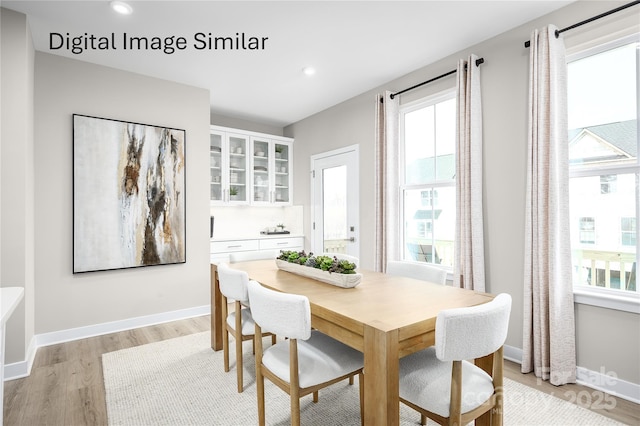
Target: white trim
{"type": "Point", "coordinates": [23, 368]}
{"type": "Point", "coordinates": [598, 380]}
{"type": "Point", "coordinates": [606, 298]}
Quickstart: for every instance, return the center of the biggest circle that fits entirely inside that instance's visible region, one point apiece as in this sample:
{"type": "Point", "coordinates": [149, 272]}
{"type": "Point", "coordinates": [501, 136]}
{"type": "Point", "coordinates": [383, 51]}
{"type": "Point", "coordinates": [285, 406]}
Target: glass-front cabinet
{"type": "Point", "coordinates": [229, 165]}
{"type": "Point", "coordinates": [272, 169]}
{"type": "Point", "coordinates": [250, 168]}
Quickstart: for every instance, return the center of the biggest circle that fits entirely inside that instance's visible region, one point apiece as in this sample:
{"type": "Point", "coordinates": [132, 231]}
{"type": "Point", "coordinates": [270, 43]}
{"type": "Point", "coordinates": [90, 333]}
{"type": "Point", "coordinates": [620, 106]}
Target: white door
{"type": "Point", "coordinates": [335, 202]}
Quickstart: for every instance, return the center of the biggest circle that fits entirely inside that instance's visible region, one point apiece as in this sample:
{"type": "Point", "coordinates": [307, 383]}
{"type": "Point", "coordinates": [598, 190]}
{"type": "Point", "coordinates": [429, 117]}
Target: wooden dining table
{"type": "Point", "coordinates": [385, 317]}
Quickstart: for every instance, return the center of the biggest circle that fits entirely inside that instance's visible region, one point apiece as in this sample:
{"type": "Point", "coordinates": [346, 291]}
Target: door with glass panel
{"type": "Point", "coordinates": [335, 200]}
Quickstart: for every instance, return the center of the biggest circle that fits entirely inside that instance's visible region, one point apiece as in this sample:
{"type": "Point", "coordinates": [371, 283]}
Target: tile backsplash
{"type": "Point", "coordinates": [248, 221]}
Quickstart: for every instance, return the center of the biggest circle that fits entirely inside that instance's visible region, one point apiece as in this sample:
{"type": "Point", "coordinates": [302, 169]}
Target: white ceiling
{"type": "Point", "coordinates": [355, 46]}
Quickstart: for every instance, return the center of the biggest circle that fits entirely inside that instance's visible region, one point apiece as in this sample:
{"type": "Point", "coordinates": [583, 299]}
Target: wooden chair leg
{"type": "Point", "coordinates": [294, 382]}
{"type": "Point", "coordinates": [315, 396]}
{"type": "Point", "coordinates": [455, 412]}
{"type": "Point", "coordinates": [225, 349]}
{"type": "Point", "coordinates": [361, 383]}
{"type": "Point", "coordinates": [423, 419]}
{"type": "Point", "coordinates": [238, 336]}
{"type": "Point", "coordinates": [259, 377]}
{"type": "Point", "coordinates": [351, 380]}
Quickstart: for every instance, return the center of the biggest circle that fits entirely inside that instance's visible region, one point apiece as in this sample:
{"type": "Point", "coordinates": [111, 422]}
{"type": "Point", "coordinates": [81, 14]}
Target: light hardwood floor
{"type": "Point", "coordinates": [66, 385]}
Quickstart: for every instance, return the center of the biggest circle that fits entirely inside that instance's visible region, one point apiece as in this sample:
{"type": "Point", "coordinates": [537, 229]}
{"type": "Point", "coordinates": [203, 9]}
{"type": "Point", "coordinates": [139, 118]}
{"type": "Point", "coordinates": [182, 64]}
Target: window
{"type": "Point", "coordinates": [587, 230]}
{"type": "Point", "coordinates": [628, 231]}
{"type": "Point", "coordinates": [604, 169]}
{"type": "Point", "coordinates": [427, 179]}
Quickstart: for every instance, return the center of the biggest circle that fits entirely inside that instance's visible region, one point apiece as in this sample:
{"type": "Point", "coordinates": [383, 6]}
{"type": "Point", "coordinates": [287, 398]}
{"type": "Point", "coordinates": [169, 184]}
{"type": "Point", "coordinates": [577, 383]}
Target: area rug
{"type": "Point", "coordinates": [182, 381]}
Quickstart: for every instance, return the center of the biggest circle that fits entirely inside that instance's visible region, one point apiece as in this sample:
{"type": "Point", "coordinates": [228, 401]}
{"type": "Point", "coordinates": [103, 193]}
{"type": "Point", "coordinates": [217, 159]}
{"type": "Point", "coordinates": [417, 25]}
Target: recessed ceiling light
{"type": "Point", "coordinates": [121, 7]}
{"type": "Point", "coordinates": [309, 70]}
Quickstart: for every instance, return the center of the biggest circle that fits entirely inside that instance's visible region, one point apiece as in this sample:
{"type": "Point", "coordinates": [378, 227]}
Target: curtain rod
{"type": "Point", "coordinates": [393, 95]}
{"type": "Point", "coordinates": [586, 21]}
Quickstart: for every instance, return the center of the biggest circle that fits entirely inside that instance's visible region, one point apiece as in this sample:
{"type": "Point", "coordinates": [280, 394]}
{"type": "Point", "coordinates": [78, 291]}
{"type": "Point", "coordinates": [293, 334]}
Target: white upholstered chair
{"type": "Point", "coordinates": [239, 323]}
{"type": "Point", "coordinates": [440, 384]}
{"type": "Point", "coordinates": [307, 361]}
{"type": "Point", "coordinates": [418, 270]}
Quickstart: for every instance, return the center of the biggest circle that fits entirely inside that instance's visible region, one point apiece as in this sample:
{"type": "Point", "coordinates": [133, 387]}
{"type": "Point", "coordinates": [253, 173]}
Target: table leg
{"type": "Point", "coordinates": [216, 311]}
{"type": "Point", "coordinates": [381, 389]}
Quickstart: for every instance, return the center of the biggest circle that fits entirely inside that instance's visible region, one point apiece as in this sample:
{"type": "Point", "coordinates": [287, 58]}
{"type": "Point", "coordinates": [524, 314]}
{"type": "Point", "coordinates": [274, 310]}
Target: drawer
{"type": "Point", "coordinates": [281, 243]}
{"type": "Point", "coordinates": [233, 245]}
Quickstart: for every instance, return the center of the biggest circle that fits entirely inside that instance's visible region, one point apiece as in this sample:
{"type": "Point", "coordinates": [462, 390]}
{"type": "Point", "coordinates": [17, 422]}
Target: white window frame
{"type": "Point", "coordinates": [432, 186]}
{"type": "Point", "coordinates": [598, 296]}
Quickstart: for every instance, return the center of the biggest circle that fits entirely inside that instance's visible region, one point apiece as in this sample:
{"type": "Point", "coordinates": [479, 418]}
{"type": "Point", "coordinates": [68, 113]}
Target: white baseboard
{"type": "Point", "coordinates": [598, 380]}
{"type": "Point", "coordinates": [21, 369]}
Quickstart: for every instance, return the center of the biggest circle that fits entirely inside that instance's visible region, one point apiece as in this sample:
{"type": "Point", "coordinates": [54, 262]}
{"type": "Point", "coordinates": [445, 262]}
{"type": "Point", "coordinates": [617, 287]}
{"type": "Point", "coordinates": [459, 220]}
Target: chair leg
{"type": "Point", "coordinates": [423, 419]}
{"type": "Point", "coordinates": [238, 336]}
{"type": "Point", "coordinates": [361, 383]}
{"type": "Point", "coordinates": [351, 380]}
{"type": "Point", "coordinates": [239, 363]}
{"type": "Point", "coordinates": [273, 339]}
{"type": "Point", "coordinates": [259, 378]}
{"type": "Point", "coordinates": [315, 396]}
{"type": "Point", "coordinates": [294, 382]}
{"type": "Point", "coordinates": [225, 349]}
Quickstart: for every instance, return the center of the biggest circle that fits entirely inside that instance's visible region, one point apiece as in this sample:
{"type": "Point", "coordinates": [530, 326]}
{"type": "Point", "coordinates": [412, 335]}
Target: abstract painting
{"type": "Point", "coordinates": [128, 195]}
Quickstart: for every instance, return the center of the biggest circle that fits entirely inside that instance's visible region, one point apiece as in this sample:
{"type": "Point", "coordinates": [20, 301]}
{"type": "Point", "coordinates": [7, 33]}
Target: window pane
{"type": "Point", "coordinates": [429, 225]}
{"type": "Point", "coordinates": [419, 145]}
{"type": "Point", "coordinates": [430, 142]}
{"type": "Point", "coordinates": [334, 204]}
{"type": "Point", "coordinates": [603, 231]}
{"type": "Point", "coordinates": [604, 168]}
{"type": "Point", "coordinates": [602, 87]}
{"type": "Point", "coordinates": [446, 140]}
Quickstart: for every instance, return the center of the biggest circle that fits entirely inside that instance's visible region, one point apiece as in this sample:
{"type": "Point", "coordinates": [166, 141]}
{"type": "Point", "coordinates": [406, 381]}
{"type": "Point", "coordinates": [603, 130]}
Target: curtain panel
{"type": "Point", "coordinates": [469, 244]}
{"type": "Point", "coordinates": [549, 324]}
{"type": "Point", "coordinates": [387, 205]}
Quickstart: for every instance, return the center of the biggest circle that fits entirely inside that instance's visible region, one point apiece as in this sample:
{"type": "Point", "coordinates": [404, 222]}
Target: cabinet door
{"type": "Point", "coordinates": [262, 165]}
{"type": "Point", "coordinates": [238, 169]}
{"type": "Point", "coordinates": [282, 172]}
{"type": "Point", "coordinates": [216, 185]}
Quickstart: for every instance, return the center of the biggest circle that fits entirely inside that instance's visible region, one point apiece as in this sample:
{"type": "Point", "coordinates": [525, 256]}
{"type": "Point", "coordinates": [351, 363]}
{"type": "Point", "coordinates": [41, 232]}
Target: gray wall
{"type": "Point", "coordinates": [606, 338]}
{"type": "Point", "coordinates": [63, 300]}
{"type": "Point", "coordinates": [17, 177]}
{"type": "Point", "coordinates": [39, 94]}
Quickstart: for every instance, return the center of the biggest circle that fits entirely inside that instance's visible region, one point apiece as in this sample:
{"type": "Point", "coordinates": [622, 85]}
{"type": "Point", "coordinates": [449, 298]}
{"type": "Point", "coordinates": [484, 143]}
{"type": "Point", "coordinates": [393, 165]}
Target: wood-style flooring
{"type": "Point", "coordinates": [66, 386]}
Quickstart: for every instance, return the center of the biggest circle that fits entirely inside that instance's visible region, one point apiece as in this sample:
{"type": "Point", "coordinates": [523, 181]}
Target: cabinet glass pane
{"type": "Point", "coordinates": [282, 169]}
{"type": "Point", "coordinates": [261, 171]}
{"type": "Point", "coordinates": [215, 153]}
{"type": "Point", "coordinates": [238, 172]}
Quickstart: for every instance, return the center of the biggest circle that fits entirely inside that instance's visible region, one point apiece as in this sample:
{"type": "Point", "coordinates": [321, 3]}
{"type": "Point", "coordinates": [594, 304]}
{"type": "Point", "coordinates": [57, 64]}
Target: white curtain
{"type": "Point", "coordinates": [387, 184]}
{"type": "Point", "coordinates": [469, 243]}
{"type": "Point", "coordinates": [549, 326]}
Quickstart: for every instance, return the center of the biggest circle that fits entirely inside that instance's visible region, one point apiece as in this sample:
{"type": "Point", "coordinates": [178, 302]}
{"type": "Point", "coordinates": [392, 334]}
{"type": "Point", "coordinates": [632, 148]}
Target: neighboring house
{"type": "Point", "coordinates": [603, 215]}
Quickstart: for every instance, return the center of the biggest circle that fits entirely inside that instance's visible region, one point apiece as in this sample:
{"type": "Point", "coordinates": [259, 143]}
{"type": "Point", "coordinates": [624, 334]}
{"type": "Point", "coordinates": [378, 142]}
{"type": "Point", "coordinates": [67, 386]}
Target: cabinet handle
{"type": "Point", "coordinates": [283, 244]}
{"type": "Point", "coordinates": [238, 246]}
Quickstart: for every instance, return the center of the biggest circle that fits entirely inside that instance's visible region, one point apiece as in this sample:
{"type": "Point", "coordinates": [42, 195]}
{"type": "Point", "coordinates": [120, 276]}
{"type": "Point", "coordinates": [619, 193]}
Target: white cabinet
{"type": "Point", "coordinates": [272, 168]}
{"type": "Point", "coordinates": [221, 249]}
{"type": "Point", "coordinates": [250, 168]}
{"type": "Point", "coordinates": [229, 165]}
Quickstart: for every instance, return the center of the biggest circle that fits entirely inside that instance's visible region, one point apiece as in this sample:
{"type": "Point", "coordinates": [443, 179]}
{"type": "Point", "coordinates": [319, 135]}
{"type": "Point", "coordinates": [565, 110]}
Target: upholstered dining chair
{"type": "Point", "coordinates": [418, 270]}
{"type": "Point", "coordinates": [239, 323]}
{"type": "Point", "coordinates": [307, 361]}
{"type": "Point", "coordinates": [440, 384]}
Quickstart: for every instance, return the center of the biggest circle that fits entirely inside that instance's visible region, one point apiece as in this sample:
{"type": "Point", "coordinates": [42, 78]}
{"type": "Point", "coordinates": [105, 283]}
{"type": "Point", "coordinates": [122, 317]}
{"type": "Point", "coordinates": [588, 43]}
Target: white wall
{"type": "Point", "coordinates": [606, 339]}
{"type": "Point", "coordinates": [17, 177]}
{"type": "Point", "coordinates": [63, 300]}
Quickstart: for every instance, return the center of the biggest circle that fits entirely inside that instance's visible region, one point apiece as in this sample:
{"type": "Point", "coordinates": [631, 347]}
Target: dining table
{"type": "Point", "coordinates": [385, 317]}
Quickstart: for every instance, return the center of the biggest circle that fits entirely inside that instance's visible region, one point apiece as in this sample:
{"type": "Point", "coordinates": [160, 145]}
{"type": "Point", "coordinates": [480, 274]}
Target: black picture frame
{"type": "Point", "coordinates": [129, 194]}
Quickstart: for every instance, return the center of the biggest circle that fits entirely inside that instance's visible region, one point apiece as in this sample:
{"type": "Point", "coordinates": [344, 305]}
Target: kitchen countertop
{"type": "Point", "coordinates": [259, 237]}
